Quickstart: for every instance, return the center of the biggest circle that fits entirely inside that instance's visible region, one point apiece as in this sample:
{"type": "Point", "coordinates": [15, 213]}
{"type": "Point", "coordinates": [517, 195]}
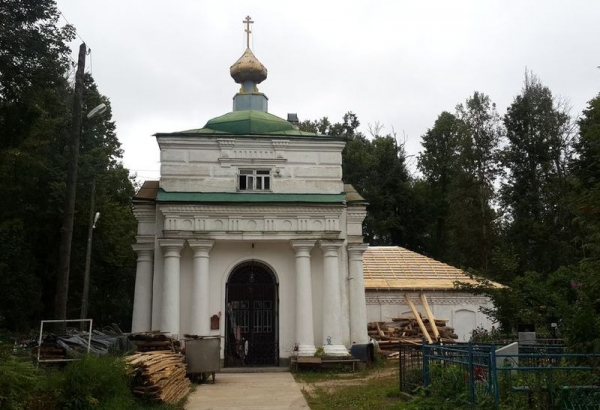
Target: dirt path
{"type": "Point", "coordinates": [345, 380]}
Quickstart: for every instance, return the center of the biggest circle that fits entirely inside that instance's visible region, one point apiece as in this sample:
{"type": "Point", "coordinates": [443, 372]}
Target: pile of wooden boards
{"type": "Point", "coordinates": [51, 351]}
{"type": "Point", "coordinates": [407, 330]}
{"type": "Point", "coordinates": [159, 376]}
{"type": "Point", "coordinates": [154, 341]}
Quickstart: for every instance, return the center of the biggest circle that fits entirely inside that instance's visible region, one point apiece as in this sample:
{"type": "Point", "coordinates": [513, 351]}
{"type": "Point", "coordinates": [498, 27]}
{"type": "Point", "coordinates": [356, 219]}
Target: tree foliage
{"type": "Point", "coordinates": [376, 167]}
{"type": "Point", "coordinates": [512, 199]}
{"type": "Point", "coordinates": [458, 163]}
{"type": "Point", "coordinates": [35, 101]}
{"type": "Point", "coordinates": [534, 193]}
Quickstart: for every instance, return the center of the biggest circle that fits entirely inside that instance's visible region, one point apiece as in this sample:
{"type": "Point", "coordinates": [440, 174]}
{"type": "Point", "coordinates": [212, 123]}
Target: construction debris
{"type": "Point", "coordinates": [159, 376]}
{"type": "Point", "coordinates": [154, 341]}
{"type": "Point", "coordinates": [73, 345]}
{"type": "Point", "coordinates": [407, 330]}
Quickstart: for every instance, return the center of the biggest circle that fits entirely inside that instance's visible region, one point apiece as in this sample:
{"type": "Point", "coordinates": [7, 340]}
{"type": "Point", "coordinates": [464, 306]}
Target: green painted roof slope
{"type": "Point", "coordinates": [248, 122]}
{"type": "Point", "coordinates": [220, 197]}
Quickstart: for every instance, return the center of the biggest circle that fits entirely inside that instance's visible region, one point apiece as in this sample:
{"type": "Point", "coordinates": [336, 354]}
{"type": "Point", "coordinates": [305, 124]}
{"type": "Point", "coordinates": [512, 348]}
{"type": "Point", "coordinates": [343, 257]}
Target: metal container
{"type": "Point", "coordinates": [363, 352]}
{"type": "Point", "coordinates": [202, 357]}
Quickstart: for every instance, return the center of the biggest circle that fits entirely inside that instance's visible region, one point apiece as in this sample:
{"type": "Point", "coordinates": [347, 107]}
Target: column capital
{"type": "Point", "coordinates": [302, 246]}
{"type": "Point", "coordinates": [172, 247]}
{"type": "Point", "coordinates": [143, 248]}
{"type": "Point", "coordinates": [356, 250]}
{"type": "Point", "coordinates": [330, 248]}
{"type": "Point", "coordinates": [201, 247]}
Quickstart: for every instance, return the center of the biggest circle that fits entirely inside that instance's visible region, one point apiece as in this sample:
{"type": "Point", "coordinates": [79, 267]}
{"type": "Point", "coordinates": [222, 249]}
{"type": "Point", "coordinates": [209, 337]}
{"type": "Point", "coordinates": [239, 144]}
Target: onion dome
{"type": "Point", "coordinates": [248, 68]}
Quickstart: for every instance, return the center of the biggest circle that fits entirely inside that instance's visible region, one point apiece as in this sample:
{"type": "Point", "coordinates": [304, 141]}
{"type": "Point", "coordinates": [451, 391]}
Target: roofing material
{"type": "Point", "coordinates": [249, 123]}
{"type": "Point", "coordinates": [248, 197]}
{"type": "Point", "coordinates": [396, 268]}
{"type": "Point", "coordinates": [151, 191]}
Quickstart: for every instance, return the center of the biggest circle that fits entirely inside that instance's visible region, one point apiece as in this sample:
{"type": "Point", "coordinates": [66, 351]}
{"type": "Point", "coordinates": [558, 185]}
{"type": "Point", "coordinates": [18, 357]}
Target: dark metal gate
{"type": "Point", "coordinates": [252, 316]}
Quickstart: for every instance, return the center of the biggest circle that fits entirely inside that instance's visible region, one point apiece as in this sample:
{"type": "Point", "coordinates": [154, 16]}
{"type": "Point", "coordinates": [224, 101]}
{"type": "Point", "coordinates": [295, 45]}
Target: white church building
{"type": "Point", "coordinates": [251, 235]}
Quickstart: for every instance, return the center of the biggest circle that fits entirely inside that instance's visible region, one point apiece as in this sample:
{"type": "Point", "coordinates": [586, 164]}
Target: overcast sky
{"type": "Point", "coordinates": [165, 64]}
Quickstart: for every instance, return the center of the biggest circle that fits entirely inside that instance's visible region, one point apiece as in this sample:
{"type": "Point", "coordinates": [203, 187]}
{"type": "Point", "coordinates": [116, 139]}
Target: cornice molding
{"type": "Point", "coordinates": [255, 210]}
{"type": "Point", "coordinates": [398, 299]}
{"type": "Point", "coordinates": [144, 212]}
{"type": "Point", "coordinates": [230, 222]}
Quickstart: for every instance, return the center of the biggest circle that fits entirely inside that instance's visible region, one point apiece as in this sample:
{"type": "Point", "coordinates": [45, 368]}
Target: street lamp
{"type": "Point", "coordinates": [94, 216]}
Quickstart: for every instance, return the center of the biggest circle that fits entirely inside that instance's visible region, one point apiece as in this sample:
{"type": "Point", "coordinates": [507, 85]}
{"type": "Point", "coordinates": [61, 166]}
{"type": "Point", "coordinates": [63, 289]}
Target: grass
{"type": "Point", "coordinates": [378, 393]}
{"type": "Point", "coordinates": [331, 389]}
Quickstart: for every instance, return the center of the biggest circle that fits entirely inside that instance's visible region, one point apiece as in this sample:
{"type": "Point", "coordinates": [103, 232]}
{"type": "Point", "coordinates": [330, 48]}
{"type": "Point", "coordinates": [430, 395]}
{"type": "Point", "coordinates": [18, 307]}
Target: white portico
{"type": "Point", "coordinates": [250, 234]}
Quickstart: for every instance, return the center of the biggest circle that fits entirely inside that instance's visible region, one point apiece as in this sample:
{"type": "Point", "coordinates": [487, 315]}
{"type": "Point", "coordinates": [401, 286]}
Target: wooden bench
{"type": "Point", "coordinates": [316, 361]}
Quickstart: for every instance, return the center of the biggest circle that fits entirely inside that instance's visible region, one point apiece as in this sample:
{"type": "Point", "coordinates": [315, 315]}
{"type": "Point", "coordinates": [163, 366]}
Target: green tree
{"type": "Point", "coordinates": [472, 193]}
{"type": "Point", "coordinates": [34, 117]}
{"type": "Point", "coordinates": [376, 167]}
{"type": "Point", "coordinates": [35, 101]}
{"type": "Point", "coordinates": [534, 194]}
{"type": "Point", "coordinates": [438, 162]}
{"type": "Point", "coordinates": [458, 163]}
{"type": "Point", "coordinates": [113, 260]}
{"type": "Point", "coordinates": [586, 171]}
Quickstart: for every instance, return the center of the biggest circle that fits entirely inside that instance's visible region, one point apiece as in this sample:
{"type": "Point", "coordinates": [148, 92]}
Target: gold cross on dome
{"type": "Point", "coordinates": [247, 21]}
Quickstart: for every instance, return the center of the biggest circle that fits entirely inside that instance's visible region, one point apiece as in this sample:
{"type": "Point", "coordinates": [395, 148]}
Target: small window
{"type": "Point", "coordinates": [254, 180]}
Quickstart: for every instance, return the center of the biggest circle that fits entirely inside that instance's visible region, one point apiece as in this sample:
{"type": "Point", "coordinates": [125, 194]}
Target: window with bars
{"type": "Point", "coordinates": [254, 180]}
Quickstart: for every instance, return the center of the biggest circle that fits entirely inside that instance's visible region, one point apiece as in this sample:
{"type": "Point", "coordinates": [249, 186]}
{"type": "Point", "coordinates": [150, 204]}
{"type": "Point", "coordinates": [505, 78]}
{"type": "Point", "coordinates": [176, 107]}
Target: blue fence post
{"type": "Point", "coordinates": [426, 379]}
{"type": "Point", "coordinates": [471, 375]}
{"type": "Point", "coordinates": [494, 377]}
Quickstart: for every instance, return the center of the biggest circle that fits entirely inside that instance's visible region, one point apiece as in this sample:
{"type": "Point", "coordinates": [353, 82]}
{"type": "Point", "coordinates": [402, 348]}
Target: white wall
{"type": "Point", "coordinates": [211, 164]}
{"type": "Point", "coordinates": [279, 256]}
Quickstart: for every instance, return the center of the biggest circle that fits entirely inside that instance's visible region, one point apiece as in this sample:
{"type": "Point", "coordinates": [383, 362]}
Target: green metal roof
{"type": "Point", "coordinates": [248, 197]}
{"type": "Point", "coordinates": [250, 123]}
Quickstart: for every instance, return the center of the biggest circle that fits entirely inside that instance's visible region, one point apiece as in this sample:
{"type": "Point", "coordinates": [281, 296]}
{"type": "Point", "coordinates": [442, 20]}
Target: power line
{"type": "Point", "coordinates": [63, 16]}
{"type": "Point", "coordinates": [89, 50]}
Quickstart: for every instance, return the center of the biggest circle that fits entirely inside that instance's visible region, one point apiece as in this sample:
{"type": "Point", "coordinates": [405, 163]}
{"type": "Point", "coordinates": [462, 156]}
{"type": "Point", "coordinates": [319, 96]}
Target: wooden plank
{"type": "Point", "coordinates": [308, 359]}
{"type": "Point", "coordinates": [379, 329]}
{"type": "Point", "coordinates": [436, 332]}
{"type": "Point", "coordinates": [418, 317]}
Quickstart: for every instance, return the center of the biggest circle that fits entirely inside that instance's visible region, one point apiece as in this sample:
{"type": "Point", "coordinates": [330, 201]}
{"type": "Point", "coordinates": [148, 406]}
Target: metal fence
{"type": "Point", "coordinates": [534, 376]}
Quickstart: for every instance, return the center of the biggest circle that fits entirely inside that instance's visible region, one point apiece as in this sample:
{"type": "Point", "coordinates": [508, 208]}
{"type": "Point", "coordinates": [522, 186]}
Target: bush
{"type": "Point", "coordinates": [97, 383]}
{"type": "Point", "coordinates": [19, 381]}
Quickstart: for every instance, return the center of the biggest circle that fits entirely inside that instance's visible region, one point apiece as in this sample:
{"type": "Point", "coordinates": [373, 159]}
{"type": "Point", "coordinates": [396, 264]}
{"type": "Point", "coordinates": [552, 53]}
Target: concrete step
{"type": "Point", "coordinates": [250, 369]}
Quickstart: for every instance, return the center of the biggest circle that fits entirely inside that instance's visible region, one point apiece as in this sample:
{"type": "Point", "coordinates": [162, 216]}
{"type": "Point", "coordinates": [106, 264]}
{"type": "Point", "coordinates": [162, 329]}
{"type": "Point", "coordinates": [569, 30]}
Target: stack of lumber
{"type": "Point", "coordinates": [153, 341]}
{"type": "Point", "coordinates": [51, 351]}
{"type": "Point", "coordinates": [159, 376]}
{"type": "Point", "coordinates": [407, 330]}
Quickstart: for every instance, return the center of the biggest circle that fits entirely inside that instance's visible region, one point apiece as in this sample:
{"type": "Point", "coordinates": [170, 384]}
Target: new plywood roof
{"type": "Point", "coordinates": [393, 267]}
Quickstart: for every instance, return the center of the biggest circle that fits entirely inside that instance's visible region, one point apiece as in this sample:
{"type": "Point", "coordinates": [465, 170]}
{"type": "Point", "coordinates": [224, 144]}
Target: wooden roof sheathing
{"type": "Point", "coordinates": [396, 268]}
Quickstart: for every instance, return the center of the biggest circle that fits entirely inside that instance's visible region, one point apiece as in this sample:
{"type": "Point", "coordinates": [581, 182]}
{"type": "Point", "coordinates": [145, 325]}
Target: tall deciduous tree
{"type": "Point", "coordinates": [376, 167]}
{"type": "Point", "coordinates": [35, 100]}
{"type": "Point", "coordinates": [34, 117]}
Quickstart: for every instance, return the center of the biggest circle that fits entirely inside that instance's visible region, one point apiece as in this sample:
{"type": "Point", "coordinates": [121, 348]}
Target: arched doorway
{"type": "Point", "coordinates": [252, 326]}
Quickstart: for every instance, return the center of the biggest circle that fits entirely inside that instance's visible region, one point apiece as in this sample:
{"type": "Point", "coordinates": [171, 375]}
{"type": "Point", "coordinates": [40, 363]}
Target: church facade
{"type": "Point", "coordinates": [251, 235]}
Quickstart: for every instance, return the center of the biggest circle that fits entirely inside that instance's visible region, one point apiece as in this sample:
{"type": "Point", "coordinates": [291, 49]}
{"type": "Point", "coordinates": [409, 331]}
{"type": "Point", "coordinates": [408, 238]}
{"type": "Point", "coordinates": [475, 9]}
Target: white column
{"type": "Point", "coordinates": [200, 315]}
{"type": "Point", "coordinates": [170, 296]}
{"type": "Point", "coordinates": [305, 333]}
{"type": "Point", "coordinates": [358, 302]}
{"type": "Point", "coordinates": [332, 305]}
{"type": "Point", "coordinates": [142, 298]}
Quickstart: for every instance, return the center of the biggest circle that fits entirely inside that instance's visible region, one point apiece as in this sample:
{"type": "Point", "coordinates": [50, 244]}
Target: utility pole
{"type": "Point", "coordinates": [88, 254]}
{"type": "Point", "coordinates": [66, 231]}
